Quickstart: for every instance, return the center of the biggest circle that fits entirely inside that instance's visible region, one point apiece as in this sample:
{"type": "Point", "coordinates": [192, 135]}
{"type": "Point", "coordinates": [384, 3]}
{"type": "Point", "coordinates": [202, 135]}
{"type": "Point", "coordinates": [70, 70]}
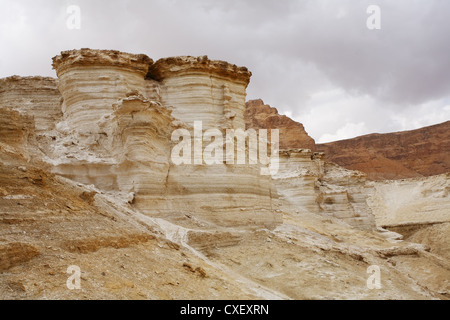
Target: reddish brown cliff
{"type": "Point", "coordinates": [406, 154]}
{"type": "Point", "coordinates": [292, 134]}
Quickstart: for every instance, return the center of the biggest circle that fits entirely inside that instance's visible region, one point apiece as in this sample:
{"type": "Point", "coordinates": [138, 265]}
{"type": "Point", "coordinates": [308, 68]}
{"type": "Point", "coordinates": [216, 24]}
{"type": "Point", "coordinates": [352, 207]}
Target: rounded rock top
{"type": "Point", "coordinates": [92, 57]}
{"type": "Point", "coordinates": [175, 66]}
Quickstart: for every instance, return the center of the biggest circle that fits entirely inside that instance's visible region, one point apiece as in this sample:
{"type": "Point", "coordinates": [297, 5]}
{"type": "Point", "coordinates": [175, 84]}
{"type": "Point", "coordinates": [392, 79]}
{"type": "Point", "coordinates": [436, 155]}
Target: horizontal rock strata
{"type": "Point", "coordinates": [121, 110]}
{"type": "Point", "coordinates": [306, 182]}
{"type": "Point", "coordinates": [292, 134]}
{"type": "Point", "coordinates": [398, 155]}
{"type": "Point", "coordinates": [35, 96]}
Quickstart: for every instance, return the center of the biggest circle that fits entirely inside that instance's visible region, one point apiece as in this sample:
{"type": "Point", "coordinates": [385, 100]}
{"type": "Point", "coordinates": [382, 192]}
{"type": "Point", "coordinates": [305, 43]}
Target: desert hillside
{"type": "Point", "coordinates": [88, 180]}
{"type": "Point", "coordinates": [416, 153]}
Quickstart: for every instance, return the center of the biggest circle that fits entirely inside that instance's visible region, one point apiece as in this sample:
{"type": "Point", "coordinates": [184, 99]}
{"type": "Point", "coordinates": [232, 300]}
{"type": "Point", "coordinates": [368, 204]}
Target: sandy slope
{"type": "Point", "coordinates": [48, 223]}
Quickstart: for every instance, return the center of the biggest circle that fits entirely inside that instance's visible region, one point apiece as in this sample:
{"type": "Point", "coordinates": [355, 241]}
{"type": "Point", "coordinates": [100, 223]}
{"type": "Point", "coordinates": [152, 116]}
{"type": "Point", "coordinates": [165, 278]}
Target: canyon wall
{"type": "Point", "coordinates": [307, 183]}
{"type": "Point", "coordinates": [119, 111]}
{"type": "Point", "coordinates": [17, 132]}
{"type": "Point", "coordinates": [207, 231]}
{"type": "Point", "coordinates": [343, 194]}
{"type": "Point", "coordinates": [213, 92]}
{"type": "Point", "coordinates": [297, 179]}
{"type": "Point", "coordinates": [200, 89]}
{"type": "Point", "coordinates": [398, 155]}
{"type": "Point", "coordinates": [408, 154]}
{"type": "Point", "coordinates": [91, 81]}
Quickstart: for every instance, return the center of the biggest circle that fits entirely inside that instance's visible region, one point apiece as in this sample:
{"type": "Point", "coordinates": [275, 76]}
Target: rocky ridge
{"type": "Point", "coordinates": [292, 134]}
{"type": "Point", "coordinates": [416, 153]}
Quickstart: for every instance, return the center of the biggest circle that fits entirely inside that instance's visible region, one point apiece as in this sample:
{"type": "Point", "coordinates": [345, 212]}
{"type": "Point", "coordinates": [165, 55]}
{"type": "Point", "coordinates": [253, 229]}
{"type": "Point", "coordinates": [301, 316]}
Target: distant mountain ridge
{"type": "Point", "coordinates": [397, 155]}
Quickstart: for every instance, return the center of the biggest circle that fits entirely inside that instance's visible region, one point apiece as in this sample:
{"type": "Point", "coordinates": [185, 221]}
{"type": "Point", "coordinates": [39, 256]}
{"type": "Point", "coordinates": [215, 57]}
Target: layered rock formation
{"type": "Point", "coordinates": [308, 183]}
{"type": "Point", "coordinates": [399, 155]}
{"type": "Point", "coordinates": [213, 92]}
{"type": "Point", "coordinates": [204, 90]}
{"type": "Point", "coordinates": [16, 132]}
{"type": "Point", "coordinates": [120, 110]}
{"type": "Point", "coordinates": [407, 154]}
{"type": "Point", "coordinates": [415, 201]}
{"type": "Point", "coordinates": [91, 81]}
{"type": "Point", "coordinates": [48, 223]}
{"type": "Point", "coordinates": [100, 190]}
{"type": "Point", "coordinates": [298, 178]}
{"type": "Point", "coordinates": [37, 97]}
{"type": "Point", "coordinates": [343, 194]}
{"type": "Point", "coordinates": [292, 134]}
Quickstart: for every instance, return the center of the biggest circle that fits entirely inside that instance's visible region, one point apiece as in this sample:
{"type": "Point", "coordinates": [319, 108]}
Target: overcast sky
{"type": "Point", "coordinates": [315, 61]}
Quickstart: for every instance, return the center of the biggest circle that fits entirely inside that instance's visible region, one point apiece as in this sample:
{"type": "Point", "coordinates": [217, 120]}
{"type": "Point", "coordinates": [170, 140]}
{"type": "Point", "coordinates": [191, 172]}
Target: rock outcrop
{"type": "Point", "coordinates": [306, 182]}
{"type": "Point", "coordinates": [91, 81]}
{"type": "Point", "coordinates": [121, 109]}
{"type": "Point", "coordinates": [399, 155]}
{"type": "Point", "coordinates": [200, 89]}
{"type": "Point", "coordinates": [415, 201]}
{"type": "Point", "coordinates": [292, 134]}
{"type": "Point", "coordinates": [415, 153]}
{"type": "Point", "coordinates": [37, 97]}
{"type": "Point", "coordinates": [298, 177]}
{"type": "Point", "coordinates": [343, 194]}
{"type": "Point", "coordinates": [16, 131]}
{"type": "Point", "coordinates": [88, 179]}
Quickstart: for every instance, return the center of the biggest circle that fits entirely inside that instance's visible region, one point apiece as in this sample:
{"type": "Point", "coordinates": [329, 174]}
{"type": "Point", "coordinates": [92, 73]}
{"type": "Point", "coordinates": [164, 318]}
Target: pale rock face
{"type": "Point", "coordinates": [343, 195]}
{"type": "Point", "coordinates": [135, 208]}
{"type": "Point", "coordinates": [105, 116]}
{"type": "Point", "coordinates": [204, 90]}
{"type": "Point", "coordinates": [213, 92]}
{"type": "Point", "coordinates": [118, 113]}
{"type": "Point", "coordinates": [129, 154]}
{"type": "Point", "coordinates": [306, 182]}
{"type": "Point", "coordinates": [226, 195]}
{"type": "Point", "coordinates": [36, 96]}
{"type": "Point", "coordinates": [122, 117]}
{"type": "Point", "coordinates": [297, 178]}
{"type": "Point", "coordinates": [114, 132]}
{"type": "Point", "coordinates": [91, 81]}
{"type": "Point", "coordinates": [411, 201]}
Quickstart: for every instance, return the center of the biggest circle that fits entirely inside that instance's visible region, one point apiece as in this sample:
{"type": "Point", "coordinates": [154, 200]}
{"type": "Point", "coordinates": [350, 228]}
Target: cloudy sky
{"type": "Point", "coordinates": [315, 61]}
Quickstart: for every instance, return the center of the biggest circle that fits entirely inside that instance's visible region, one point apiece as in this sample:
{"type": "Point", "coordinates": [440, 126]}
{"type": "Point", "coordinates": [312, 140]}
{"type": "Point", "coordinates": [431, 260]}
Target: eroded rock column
{"type": "Point", "coordinates": [204, 90]}
{"type": "Point", "coordinates": [115, 133]}
{"type": "Point", "coordinates": [211, 92]}
{"type": "Point", "coordinates": [91, 81]}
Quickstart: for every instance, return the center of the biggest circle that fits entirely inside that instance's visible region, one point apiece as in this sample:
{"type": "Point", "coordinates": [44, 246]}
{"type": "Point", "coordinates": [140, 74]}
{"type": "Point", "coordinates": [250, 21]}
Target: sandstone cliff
{"type": "Point", "coordinates": [119, 111]}
{"type": "Point", "coordinates": [407, 154]}
{"type": "Point", "coordinates": [412, 201]}
{"type": "Point", "coordinates": [90, 182]}
{"type": "Point", "coordinates": [292, 134]}
{"type": "Point", "coordinates": [309, 184]}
